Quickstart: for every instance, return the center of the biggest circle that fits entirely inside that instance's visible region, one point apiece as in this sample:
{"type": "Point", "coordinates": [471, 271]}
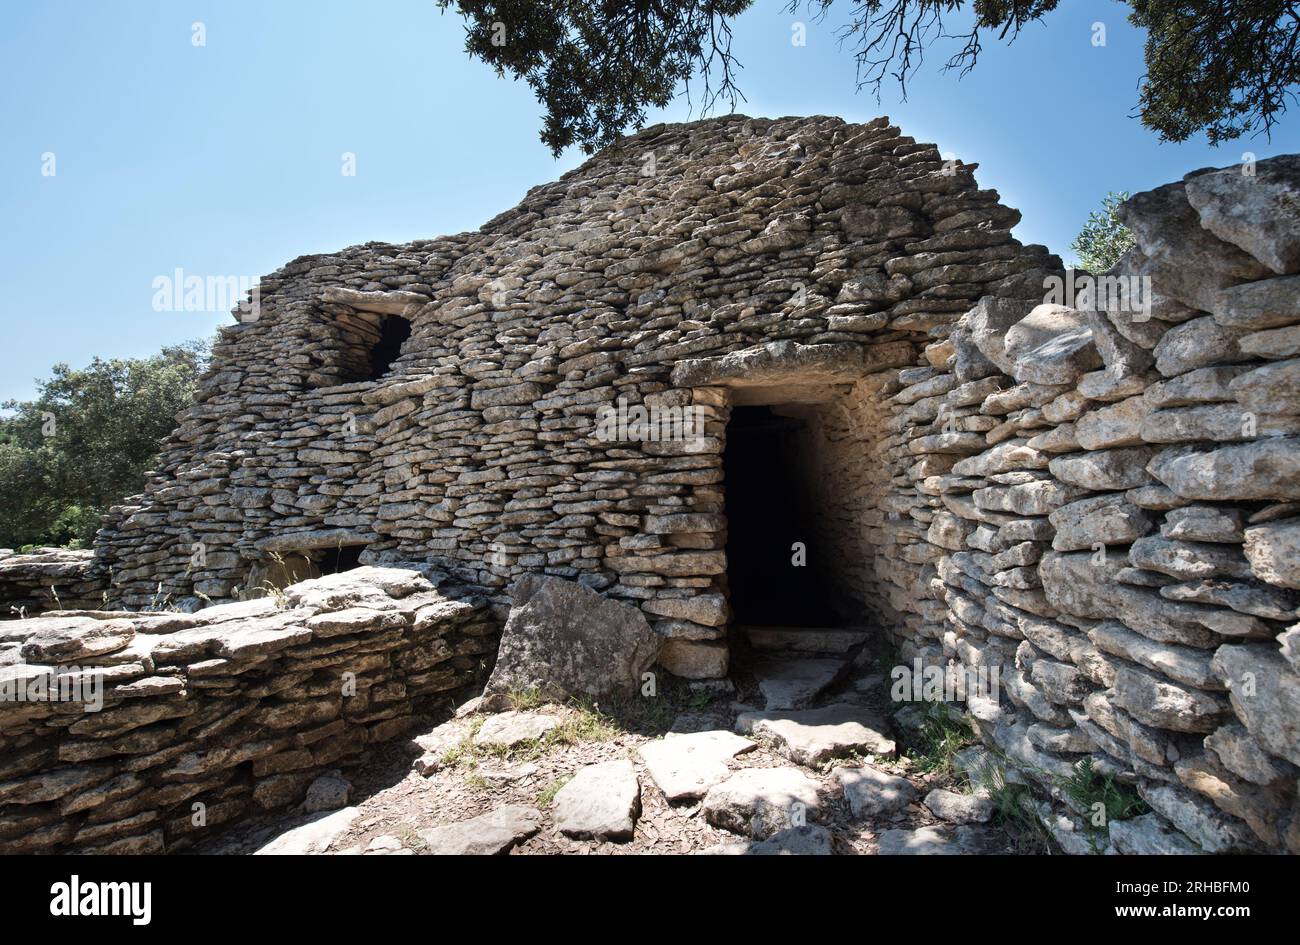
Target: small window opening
{"type": "Point", "coordinates": [343, 558]}
{"type": "Point", "coordinates": [280, 570]}
{"type": "Point", "coordinates": [365, 348]}
{"type": "Point", "coordinates": [393, 332]}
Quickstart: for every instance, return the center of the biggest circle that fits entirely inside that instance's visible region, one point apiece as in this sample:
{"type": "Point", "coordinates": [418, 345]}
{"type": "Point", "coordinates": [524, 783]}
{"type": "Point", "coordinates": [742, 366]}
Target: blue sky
{"type": "Point", "coordinates": [225, 159]}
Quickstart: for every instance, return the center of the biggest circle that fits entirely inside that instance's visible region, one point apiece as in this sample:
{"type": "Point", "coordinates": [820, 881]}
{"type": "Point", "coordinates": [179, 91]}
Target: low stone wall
{"type": "Point", "coordinates": [49, 579]}
{"type": "Point", "coordinates": [167, 726]}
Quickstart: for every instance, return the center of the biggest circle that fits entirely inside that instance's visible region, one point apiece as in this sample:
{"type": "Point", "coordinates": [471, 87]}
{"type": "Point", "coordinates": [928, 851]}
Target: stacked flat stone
{"type": "Point", "coordinates": [479, 453]}
{"type": "Point", "coordinates": [48, 579]}
{"type": "Point", "coordinates": [1125, 545]}
{"type": "Point", "coordinates": [211, 717]}
{"type": "Point", "coordinates": [1101, 505]}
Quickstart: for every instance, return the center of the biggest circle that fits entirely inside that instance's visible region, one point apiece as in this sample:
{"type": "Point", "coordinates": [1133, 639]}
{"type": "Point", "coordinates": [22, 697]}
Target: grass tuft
{"type": "Point", "coordinates": [547, 794]}
{"type": "Point", "coordinates": [942, 735]}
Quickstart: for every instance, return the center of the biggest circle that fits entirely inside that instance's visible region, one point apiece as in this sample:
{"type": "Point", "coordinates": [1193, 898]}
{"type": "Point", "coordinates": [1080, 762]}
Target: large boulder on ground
{"type": "Point", "coordinates": [563, 639]}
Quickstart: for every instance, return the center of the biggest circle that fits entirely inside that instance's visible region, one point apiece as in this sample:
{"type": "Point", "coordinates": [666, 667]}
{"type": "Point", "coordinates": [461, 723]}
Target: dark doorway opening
{"type": "Point", "coordinates": [343, 558]}
{"type": "Point", "coordinates": [290, 567]}
{"type": "Point", "coordinates": [771, 506]}
{"type": "Point", "coordinates": [393, 332]}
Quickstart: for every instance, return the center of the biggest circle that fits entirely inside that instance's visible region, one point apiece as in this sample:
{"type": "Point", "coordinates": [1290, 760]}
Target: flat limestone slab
{"type": "Point", "coordinates": [939, 841]}
{"type": "Point", "coordinates": [812, 736]}
{"type": "Point", "coordinates": [513, 728]}
{"type": "Point", "coordinates": [959, 808]}
{"type": "Point", "coordinates": [871, 792]}
{"type": "Point", "coordinates": [686, 766]}
{"type": "Point", "coordinates": [804, 639]}
{"type": "Point", "coordinates": [314, 836]}
{"type": "Point", "coordinates": [486, 835]}
{"type": "Point", "coordinates": [794, 684]}
{"type": "Point", "coordinates": [810, 840]}
{"type": "Point", "coordinates": [601, 802]}
{"type": "Point", "coordinates": [762, 801]}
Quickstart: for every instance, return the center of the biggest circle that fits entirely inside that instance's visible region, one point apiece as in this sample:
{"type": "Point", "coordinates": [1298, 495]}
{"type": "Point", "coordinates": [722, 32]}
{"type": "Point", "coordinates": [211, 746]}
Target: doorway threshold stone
{"type": "Point", "coordinates": [806, 639]}
{"type": "Point", "coordinates": [796, 683]}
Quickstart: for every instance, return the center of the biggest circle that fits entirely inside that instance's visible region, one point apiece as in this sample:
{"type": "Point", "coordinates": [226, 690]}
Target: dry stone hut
{"type": "Point", "coordinates": [711, 314]}
{"type": "Point", "coordinates": [724, 346]}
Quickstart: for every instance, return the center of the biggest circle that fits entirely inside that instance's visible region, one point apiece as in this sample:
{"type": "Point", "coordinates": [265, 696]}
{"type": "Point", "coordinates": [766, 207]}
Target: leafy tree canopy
{"type": "Point", "coordinates": [86, 441]}
{"type": "Point", "coordinates": [1225, 68]}
{"type": "Point", "coordinates": [1103, 239]}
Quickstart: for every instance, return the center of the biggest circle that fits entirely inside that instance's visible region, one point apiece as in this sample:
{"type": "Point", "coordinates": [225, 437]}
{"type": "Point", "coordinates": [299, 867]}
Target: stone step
{"type": "Point", "coordinates": [796, 683]}
{"type": "Point", "coordinates": [805, 639]}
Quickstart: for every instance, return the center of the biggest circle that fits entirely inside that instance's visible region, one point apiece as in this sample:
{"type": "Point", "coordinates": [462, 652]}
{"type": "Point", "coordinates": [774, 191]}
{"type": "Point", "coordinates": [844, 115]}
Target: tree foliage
{"type": "Point", "coordinates": [596, 65]}
{"type": "Point", "coordinates": [1103, 239]}
{"type": "Point", "coordinates": [87, 440]}
{"type": "Point", "coordinates": [1225, 67]}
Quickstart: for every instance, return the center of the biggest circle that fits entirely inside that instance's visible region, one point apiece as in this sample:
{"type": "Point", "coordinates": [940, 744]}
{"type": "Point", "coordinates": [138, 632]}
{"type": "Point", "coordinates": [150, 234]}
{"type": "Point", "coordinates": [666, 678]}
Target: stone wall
{"type": "Point", "coordinates": [49, 579]}
{"type": "Point", "coordinates": [480, 451]}
{"type": "Point", "coordinates": [1125, 544]}
{"type": "Point", "coordinates": [167, 726]}
{"type": "Point", "coordinates": [1098, 498]}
